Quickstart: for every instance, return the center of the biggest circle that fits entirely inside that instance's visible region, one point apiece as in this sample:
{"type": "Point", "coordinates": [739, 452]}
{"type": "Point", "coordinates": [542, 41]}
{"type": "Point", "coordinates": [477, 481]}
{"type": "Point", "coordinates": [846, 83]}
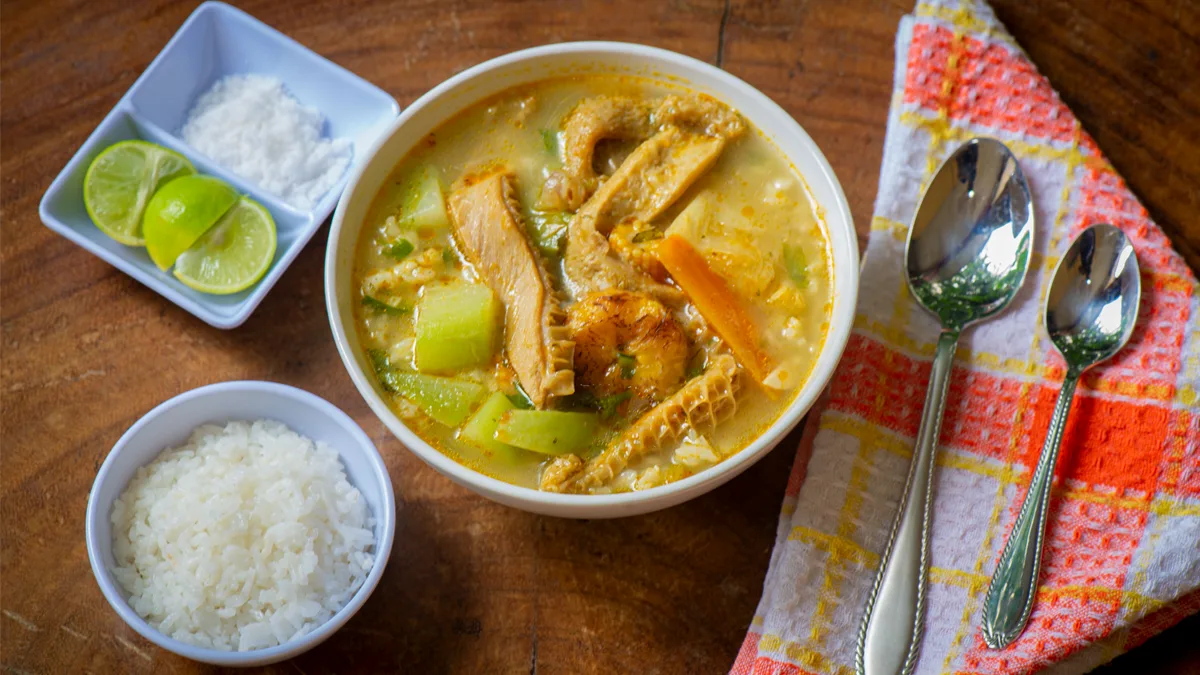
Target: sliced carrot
{"type": "Point", "coordinates": [717, 303]}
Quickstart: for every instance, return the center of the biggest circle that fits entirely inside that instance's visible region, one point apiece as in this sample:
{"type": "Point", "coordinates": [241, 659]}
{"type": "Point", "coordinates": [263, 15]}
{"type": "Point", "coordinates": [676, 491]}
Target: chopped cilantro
{"type": "Point", "coordinates": [549, 229]}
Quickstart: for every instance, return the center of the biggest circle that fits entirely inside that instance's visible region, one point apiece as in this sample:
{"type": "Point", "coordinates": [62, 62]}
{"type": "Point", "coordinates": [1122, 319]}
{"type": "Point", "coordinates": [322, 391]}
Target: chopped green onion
{"type": "Point", "coordinates": [381, 306]}
{"type": "Point", "coordinates": [379, 360]}
{"type": "Point", "coordinates": [448, 256]}
{"type": "Point", "coordinates": [520, 399]}
{"type": "Point", "coordinates": [608, 404]}
{"type": "Point", "coordinates": [796, 264]}
{"type": "Point", "coordinates": [694, 371]}
{"type": "Point", "coordinates": [586, 400]}
{"type": "Point", "coordinates": [627, 363]}
{"type": "Point", "coordinates": [582, 398]}
{"type": "Point", "coordinates": [400, 249]}
{"type": "Point", "coordinates": [647, 235]}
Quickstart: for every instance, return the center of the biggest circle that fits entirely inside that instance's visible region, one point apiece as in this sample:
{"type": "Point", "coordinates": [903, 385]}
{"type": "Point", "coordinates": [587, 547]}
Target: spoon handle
{"type": "Point", "coordinates": [1014, 583]}
{"type": "Point", "coordinates": [895, 618]}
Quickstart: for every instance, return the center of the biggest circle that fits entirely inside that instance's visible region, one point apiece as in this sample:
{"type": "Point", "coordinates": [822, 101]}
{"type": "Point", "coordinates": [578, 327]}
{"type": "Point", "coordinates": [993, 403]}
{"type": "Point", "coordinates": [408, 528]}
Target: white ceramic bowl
{"type": "Point", "coordinates": [489, 78]}
{"type": "Point", "coordinates": [169, 425]}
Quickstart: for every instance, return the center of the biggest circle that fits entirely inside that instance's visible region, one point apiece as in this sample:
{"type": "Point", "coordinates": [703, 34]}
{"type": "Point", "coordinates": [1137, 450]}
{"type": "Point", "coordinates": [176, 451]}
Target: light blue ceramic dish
{"type": "Point", "coordinates": [215, 41]}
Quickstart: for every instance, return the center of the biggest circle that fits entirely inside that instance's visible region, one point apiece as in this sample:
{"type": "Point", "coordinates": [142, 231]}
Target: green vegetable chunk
{"type": "Point", "coordinates": [549, 432]}
{"type": "Point", "coordinates": [445, 399]}
{"type": "Point", "coordinates": [456, 327]}
{"type": "Point", "coordinates": [797, 264]}
{"type": "Point", "coordinates": [480, 430]}
{"type": "Point", "coordinates": [425, 206]}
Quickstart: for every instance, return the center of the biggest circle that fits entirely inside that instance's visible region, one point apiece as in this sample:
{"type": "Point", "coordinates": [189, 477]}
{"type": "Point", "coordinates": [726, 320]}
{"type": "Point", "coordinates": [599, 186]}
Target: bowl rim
{"type": "Point", "coordinates": [589, 506]}
{"type": "Point", "coordinates": [385, 522]}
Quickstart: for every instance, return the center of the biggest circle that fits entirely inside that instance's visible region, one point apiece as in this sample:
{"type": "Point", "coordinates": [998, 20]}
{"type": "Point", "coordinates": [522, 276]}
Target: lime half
{"type": "Point", "coordinates": [233, 255]}
{"type": "Point", "coordinates": [120, 182]}
{"type": "Point", "coordinates": [180, 212]}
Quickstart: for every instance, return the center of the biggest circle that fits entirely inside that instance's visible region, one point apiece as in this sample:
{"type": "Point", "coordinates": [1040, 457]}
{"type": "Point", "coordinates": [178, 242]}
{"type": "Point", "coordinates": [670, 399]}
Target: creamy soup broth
{"type": "Point", "coordinates": [748, 215]}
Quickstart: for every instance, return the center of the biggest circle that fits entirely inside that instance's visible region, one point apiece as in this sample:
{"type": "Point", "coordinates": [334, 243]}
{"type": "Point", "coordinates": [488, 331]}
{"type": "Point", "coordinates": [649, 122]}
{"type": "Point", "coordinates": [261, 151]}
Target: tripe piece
{"type": "Point", "coordinates": [704, 401]}
{"type": "Point", "coordinates": [489, 231]}
{"type": "Point", "coordinates": [593, 120]}
{"type": "Point", "coordinates": [652, 178]}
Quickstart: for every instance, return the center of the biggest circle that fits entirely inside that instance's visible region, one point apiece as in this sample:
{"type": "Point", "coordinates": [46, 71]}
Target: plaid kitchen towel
{"type": "Point", "coordinates": [1122, 560]}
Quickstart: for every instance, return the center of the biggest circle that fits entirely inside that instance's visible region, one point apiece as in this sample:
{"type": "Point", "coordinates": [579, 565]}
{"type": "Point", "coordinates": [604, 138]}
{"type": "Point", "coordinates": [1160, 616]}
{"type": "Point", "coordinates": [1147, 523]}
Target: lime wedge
{"type": "Point", "coordinates": [180, 212]}
{"type": "Point", "coordinates": [233, 255]}
{"type": "Point", "coordinates": [121, 180]}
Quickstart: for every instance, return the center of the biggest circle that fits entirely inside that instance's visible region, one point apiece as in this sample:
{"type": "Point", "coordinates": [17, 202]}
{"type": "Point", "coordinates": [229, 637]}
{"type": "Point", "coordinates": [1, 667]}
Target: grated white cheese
{"type": "Point", "coordinates": [251, 126]}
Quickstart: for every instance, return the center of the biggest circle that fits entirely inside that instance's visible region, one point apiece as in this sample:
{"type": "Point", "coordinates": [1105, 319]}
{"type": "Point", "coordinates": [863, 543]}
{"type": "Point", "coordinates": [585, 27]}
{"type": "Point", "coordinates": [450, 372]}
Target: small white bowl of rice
{"type": "Point", "coordinates": [241, 523]}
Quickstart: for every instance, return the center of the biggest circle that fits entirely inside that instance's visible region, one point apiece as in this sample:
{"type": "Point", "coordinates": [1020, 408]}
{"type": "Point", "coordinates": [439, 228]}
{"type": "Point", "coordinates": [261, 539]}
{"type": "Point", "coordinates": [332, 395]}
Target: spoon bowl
{"type": "Point", "coordinates": [968, 248]}
{"type": "Point", "coordinates": [1094, 298]}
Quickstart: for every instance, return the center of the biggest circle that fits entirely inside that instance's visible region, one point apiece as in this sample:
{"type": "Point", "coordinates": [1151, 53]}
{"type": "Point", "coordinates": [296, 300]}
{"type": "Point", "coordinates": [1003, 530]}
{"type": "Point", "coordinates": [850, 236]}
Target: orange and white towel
{"type": "Point", "coordinates": [1122, 560]}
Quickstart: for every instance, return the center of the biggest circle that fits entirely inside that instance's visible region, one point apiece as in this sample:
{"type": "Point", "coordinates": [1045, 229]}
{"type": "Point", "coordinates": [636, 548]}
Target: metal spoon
{"type": "Point", "coordinates": [967, 253]}
{"type": "Point", "coordinates": [1090, 313]}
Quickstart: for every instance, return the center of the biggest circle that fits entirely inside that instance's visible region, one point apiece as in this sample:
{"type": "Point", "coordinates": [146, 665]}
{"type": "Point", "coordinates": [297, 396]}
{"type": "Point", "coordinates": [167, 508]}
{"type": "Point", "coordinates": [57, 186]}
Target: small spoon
{"type": "Point", "coordinates": [967, 253]}
{"type": "Point", "coordinates": [1090, 313]}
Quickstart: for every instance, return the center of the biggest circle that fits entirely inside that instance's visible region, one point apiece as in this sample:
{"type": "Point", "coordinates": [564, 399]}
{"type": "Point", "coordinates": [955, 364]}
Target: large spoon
{"type": "Point", "coordinates": [1090, 313]}
{"type": "Point", "coordinates": [967, 253]}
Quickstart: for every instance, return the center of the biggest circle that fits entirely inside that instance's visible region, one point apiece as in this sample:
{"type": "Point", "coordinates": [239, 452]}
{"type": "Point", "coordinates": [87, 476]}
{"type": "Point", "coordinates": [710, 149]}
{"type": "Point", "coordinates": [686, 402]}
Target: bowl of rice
{"type": "Point", "coordinates": [241, 523]}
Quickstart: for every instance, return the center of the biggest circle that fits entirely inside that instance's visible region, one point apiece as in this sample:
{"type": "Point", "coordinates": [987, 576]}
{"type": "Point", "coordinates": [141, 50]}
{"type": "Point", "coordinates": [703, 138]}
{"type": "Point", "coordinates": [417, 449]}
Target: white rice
{"type": "Point", "coordinates": [246, 537]}
{"type": "Point", "coordinates": [251, 126]}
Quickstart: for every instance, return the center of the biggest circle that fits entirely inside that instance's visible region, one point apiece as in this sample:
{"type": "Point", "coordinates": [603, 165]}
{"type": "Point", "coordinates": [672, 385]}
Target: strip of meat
{"type": "Point", "coordinates": [648, 182]}
{"type": "Point", "coordinates": [704, 401]}
{"type": "Point", "coordinates": [593, 120]}
{"type": "Point", "coordinates": [488, 229]}
{"type": "Point", "coordinates": [694, 131]}
{"type": "Point", "coordinates": [652, 178]}
{"type": "Point", "coordinates": [700, 114]}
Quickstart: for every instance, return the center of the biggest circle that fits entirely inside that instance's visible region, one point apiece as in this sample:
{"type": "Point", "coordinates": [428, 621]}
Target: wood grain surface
{"type": "Point", "coordinates": [472, 586]}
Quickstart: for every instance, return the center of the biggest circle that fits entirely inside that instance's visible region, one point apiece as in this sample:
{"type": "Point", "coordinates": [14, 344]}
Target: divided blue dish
{"type": "Point", "coordinates": [215, 41]}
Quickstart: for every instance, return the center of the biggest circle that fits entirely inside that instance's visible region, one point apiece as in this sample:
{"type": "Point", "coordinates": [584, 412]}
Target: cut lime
{"type": "Point", "coordinates": [233, 255]}
{"type": "Point", "coordinates": [121, 180]}
{"type": "Point", "coordinates": [180, 212]}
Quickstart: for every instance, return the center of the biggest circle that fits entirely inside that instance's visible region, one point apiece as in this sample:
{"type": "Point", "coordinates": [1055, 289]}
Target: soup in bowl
{"type": "Point", "coordinates": [592, 279]}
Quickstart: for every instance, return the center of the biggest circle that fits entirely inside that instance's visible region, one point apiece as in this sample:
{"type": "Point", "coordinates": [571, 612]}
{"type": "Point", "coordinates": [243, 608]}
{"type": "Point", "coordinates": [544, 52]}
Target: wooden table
{"type": "Point", "coordinates": [472, 586]}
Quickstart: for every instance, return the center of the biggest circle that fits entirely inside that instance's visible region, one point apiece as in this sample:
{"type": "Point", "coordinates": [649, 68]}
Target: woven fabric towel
{"type": "Point", "coordinates": [1122, 560]}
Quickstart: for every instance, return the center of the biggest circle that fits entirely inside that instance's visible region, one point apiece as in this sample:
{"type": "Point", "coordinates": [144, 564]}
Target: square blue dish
{"type": "Point", "coordinates": [215, 41]}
